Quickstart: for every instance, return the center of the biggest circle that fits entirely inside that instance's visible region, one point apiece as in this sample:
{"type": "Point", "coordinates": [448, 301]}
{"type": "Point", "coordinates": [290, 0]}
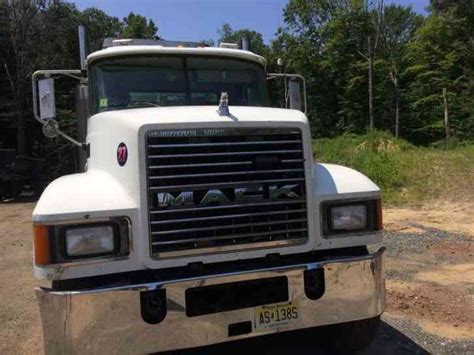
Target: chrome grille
{"type": "Point", "coordinates": [225, 189]}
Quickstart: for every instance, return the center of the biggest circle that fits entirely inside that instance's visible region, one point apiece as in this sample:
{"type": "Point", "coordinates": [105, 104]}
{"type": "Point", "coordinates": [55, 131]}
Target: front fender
{"type": "Point", "coordinates": [89, 195]}
{"type": "Point", "coordinates": [335, 182]}
{"type": "Point", "coordinates": [339, 182]}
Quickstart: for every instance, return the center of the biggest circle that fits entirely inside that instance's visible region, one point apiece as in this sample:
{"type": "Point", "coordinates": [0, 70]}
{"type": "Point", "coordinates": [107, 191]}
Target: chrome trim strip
{"type": "Point", "coordinates": [196, 155]}
{"type": "Point", "coordinates": [225, 144]}
{"type": "Point", "coordinates": [109, 320]}
{"type": "Point", "coordinates": [230, 226]}
{"type": "Point", "coordinates": [231, 173]}
{"type": "Point", "coordinates": [227, 216]}
{"type": "Point", "coordinates": [221, 131]}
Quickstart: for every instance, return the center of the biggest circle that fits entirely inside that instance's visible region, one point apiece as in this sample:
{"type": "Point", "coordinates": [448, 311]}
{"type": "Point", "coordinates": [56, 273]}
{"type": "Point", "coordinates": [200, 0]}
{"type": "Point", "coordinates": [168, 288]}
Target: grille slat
{"type": "Point", "coordinates": [230, 226]}
{"type": "Point", "coordinates": [223, 185]}
{"type": "Point", "coordinates": [235, 236]}
{"type": "Point", "coordinates": [215, 164]}
{"type": "Point", "coordinates": [228, 216]}
{"type": "Point", "coordinates": [225, 174]}
{"type": "Point", "coordinates": [225, 189]}
{"type": "Point", "coordinates": [225, 154]}
{"type": "Point", "coordinates": [225, 144]}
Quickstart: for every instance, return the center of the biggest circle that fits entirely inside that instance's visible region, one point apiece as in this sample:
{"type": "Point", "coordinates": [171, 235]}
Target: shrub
{"type": "Point", "coordinates": [376, 155]}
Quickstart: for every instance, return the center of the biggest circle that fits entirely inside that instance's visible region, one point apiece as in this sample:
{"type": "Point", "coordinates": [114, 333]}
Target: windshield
{"type": "Point", "coordinates": [174, 81]}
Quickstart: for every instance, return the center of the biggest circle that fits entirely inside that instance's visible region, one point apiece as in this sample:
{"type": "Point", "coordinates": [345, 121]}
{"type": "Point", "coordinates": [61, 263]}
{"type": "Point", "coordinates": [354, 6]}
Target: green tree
{"type": "Point", "coordinates": [21, 42]}
{"type": "Point", "coordinates": [227, 34]}
{"type": "Point", "coordinates": [136, 26]}
{"type": "Point", "coordinates": [99, 26]}
{"type": "Point", "coordinates": [323, 40]}
{"type": "Point", "coordinates": [397, 29]}
{"type": "Point", "coordinates": [439, 60]}
{"type": "Point", "coordinates": [462, 9]}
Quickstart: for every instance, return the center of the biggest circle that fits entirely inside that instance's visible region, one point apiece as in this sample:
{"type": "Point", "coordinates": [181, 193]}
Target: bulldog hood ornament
{"type": "Point", "coordinates": [223, 109]}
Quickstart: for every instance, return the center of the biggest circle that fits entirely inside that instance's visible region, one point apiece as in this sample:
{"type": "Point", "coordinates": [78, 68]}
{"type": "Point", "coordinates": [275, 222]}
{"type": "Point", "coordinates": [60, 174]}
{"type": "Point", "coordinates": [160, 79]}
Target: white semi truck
{"type": "Point", "coordinates": [200, 216]}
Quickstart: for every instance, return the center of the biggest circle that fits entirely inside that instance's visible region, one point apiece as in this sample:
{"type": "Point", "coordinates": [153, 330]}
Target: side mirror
{"type": "Point", "coordinates": [293, 90]}
{"type": "Point", "coordinates": [294, 93]}
{"type": "Point", "coordinates": [47, 101]}
{"type": "Point", "coordinates": [44, 103]}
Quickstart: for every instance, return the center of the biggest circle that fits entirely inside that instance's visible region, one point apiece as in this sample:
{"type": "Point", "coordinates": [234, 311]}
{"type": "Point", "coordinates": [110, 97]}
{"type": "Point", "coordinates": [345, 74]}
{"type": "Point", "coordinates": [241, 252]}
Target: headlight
{"type": "Point", "coordinates": [65, 243]}
{"type": "Point", "coordinates": [91, 240]}
{"type": "Point", "coordinates": [350, 217]}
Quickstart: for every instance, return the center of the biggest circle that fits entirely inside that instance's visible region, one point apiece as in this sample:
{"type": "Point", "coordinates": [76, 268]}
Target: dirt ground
{"type": "Point", "coordinates": [430, 282]}
{"type": "Point", "coordinates": [430, 273]}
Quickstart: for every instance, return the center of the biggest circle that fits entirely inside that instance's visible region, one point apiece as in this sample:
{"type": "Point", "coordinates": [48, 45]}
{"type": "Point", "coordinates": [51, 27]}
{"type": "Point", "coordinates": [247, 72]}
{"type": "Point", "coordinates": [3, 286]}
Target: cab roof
{"type": "Point", "coordinates": [147, 49]}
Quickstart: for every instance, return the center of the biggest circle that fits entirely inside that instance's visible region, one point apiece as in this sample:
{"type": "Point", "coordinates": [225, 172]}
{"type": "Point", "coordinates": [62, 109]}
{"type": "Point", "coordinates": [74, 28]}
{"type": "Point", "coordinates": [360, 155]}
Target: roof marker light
{"type": "Point", "coordinates": [229, 45]}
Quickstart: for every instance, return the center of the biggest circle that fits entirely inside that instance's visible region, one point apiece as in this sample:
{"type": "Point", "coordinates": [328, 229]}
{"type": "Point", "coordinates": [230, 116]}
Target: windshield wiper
{"type": "Point", "coordinates": [129, 103]}
{"type": "Point", "coordinates": [141, 102]}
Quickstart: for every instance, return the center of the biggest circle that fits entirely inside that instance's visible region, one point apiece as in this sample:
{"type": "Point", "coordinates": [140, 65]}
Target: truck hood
{"type": "Point", "coordinates": [134, 118]}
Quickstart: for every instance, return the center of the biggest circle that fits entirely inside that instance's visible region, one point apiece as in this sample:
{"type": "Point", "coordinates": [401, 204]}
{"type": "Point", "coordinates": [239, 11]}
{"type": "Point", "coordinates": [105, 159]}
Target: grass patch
{"type": "Point", "coordinates": [405, 173]}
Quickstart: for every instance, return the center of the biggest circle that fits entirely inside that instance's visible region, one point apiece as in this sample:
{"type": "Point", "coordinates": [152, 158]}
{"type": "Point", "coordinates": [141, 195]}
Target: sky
{"type": "Point", "coordinates": [197, 20]}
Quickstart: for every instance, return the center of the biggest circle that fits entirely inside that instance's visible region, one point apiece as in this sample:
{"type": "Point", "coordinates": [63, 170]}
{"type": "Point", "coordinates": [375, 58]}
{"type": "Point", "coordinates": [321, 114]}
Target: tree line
{"type": "Point", "coordinates": [368, 65]}
{"type": "Point", "coordinates": [371, 65]}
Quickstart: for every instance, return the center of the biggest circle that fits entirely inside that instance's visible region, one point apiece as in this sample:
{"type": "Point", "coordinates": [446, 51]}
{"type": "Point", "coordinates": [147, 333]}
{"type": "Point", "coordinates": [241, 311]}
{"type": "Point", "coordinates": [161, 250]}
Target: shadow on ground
{"type": "Point", "coordinates": [389, 341]}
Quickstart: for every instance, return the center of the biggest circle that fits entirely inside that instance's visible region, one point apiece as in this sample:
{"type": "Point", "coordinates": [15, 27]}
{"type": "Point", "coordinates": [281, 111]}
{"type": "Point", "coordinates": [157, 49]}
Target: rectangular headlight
{"type": "Point", "coordinates": [342, 217]}
{"type": "Point", "coordinates": [349, 217]}
{"type": "Point", "coordinates": [89, 240]}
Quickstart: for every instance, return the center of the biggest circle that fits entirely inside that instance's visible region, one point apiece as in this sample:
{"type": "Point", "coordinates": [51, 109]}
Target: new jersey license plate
{"type": "Point", "coordinates": [276, 315]}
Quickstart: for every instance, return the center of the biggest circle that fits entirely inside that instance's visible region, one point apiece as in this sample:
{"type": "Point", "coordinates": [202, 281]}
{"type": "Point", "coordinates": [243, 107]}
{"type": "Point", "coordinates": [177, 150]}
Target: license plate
{"type": "Point", "coordinates": [276, 315]}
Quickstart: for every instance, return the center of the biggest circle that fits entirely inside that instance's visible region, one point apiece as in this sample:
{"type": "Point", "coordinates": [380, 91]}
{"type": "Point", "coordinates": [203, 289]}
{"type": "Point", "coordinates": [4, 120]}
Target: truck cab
{"type": "Point", "coordinates": [200, 215]}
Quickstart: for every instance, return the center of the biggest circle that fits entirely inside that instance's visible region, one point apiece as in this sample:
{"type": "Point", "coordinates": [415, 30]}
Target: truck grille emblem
{"type": "Point", "coordinates": [217, 196]}
{"type": "Point", "coordinates": [122, 154]}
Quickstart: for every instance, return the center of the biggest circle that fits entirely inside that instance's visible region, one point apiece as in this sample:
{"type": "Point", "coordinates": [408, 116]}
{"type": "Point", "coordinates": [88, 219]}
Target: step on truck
{"type": "Point", "coordinates": [199, 216]}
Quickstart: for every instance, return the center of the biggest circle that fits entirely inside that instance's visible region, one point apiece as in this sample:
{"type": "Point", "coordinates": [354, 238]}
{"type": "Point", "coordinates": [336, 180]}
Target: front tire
{"type": "Point", "coordinates": [352, 336]}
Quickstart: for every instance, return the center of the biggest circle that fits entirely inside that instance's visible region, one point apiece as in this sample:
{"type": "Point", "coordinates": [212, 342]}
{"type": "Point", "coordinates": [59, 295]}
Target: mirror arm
{"type": "Point", "coordinates": [70, 139]}
{"type": "Point", "coordinates": [76, 74]}
{"type": "Point", "coordinates": [271, 76]}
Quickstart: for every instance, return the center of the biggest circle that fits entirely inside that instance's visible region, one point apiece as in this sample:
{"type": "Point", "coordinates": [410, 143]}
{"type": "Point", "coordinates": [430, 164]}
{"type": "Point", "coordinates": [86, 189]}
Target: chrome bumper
{"type": "Point", "coordinates": [109, 320]}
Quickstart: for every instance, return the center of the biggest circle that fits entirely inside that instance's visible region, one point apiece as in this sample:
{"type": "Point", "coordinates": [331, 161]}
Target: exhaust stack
{"type": "Point", "coordinates": [82, 35]}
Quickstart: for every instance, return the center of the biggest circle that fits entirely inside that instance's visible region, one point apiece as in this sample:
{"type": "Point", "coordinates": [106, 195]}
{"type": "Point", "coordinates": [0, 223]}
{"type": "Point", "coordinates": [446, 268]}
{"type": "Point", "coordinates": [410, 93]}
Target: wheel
{"type": "Point", "coordinates": [352, 336]}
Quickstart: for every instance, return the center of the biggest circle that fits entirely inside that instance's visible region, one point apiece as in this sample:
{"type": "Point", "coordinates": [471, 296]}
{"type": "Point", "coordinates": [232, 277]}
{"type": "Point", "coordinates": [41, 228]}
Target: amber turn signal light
{"type": "Point", "coordinates": [41, 245]}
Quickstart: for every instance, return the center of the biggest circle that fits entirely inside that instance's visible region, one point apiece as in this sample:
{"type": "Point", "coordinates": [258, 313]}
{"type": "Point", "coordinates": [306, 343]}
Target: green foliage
{"type": "Point", "coordinates": [99, 25]}
{"type": "Point", "coordinates": [405, 173]}
{"type": "Point", "coordinates": [136, 26]}
{"type": "Point", "coordinates": [438, 59]}
{"type": "Point", "coordinates": [375, 154]}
